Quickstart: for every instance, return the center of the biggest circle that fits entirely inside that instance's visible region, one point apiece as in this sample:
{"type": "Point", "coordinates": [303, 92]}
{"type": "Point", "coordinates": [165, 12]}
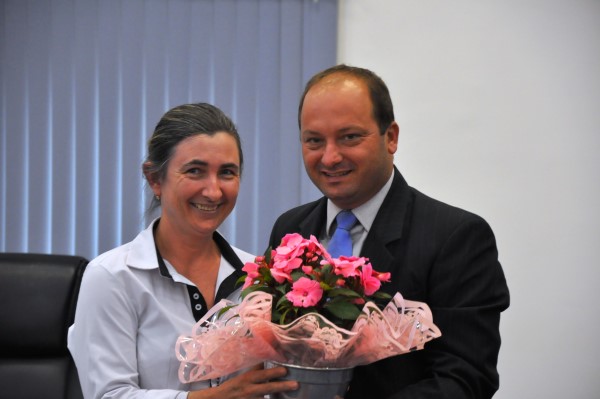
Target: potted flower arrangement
{"type": "Point", "coordinates": [301, 307]}
{"type": "Point", "coordinates": [303, 278]}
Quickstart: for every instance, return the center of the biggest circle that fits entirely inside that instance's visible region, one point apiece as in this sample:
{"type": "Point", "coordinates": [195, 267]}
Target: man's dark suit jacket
{"type": "Point", "coordinates": [445, 257]}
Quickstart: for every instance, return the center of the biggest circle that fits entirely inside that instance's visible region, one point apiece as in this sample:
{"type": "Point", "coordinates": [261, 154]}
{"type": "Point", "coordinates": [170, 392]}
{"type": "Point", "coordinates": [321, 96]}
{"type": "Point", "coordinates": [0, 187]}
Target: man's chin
{"type": "Point", "coordinates": [340, 198]}
{"type": "Point", "coordinates": [333, 192]}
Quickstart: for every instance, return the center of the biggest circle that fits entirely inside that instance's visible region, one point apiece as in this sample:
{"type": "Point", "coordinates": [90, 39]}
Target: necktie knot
{"type": "Point", "coordinates": [341, 242]}
{"type": "Point", "coordinates": [345, 220]}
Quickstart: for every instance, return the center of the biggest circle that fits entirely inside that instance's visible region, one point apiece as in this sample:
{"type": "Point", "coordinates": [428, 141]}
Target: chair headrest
{"type": "Point", "coordinates": [38, 293]}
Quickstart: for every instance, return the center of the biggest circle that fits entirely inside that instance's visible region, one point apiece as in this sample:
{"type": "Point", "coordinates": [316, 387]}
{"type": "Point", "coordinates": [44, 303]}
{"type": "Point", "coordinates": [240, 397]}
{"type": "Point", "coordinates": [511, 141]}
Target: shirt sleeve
{"type": "Point", "coordinates": [102, 340]}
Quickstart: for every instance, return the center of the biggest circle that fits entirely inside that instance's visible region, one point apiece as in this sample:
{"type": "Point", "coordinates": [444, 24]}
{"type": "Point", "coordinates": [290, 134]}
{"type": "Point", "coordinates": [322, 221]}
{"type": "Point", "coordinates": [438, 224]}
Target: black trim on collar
{"type": "Point", "coordinates": [228, 285]}
{"type": "Point", "coordinates": [162, 268]}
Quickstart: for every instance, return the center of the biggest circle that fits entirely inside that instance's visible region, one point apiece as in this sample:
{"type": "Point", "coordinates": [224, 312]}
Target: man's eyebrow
{"type": "Point", "coordinates": [352, 128]}
{"type": "Point", "coordinates": [345, 129]}
{"type": "Point", "coordinates": [309, 132]}
{"type": "Point", "coordinates": [230, 165]}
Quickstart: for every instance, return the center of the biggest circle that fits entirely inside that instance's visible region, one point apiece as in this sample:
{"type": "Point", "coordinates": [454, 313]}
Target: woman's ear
{"type": "Point", "coordinates": [151, 178]}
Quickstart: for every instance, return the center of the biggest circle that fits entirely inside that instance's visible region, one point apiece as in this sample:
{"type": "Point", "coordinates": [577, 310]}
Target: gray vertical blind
{"type": "Point", "coordinates": [84, 82]}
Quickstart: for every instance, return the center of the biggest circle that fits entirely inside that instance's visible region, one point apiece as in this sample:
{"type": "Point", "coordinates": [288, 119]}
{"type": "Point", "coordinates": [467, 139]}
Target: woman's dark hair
{"type": "Point", "coordinates": [383, 110]}
{"type": "Point", "coordinates": [178, 124]}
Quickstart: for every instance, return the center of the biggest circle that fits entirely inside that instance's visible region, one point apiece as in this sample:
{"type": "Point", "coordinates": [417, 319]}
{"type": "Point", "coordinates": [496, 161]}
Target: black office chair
{"type": "Point", "coordinates": [38, 294]}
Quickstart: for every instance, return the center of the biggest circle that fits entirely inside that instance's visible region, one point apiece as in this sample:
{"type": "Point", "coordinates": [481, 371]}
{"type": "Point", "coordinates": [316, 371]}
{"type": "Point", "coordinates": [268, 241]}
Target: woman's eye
{"type": "Point", "coordinates": [194, 171]}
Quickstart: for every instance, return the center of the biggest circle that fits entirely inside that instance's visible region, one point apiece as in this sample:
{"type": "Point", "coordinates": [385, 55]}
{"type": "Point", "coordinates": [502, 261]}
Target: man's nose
{"type": "Point", "coordinates": [331, 155]}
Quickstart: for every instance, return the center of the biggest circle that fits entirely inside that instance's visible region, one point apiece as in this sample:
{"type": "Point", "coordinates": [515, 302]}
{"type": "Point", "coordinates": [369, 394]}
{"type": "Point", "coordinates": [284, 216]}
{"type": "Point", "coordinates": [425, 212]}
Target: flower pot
{"type": "Point", "coordinates": [315, 383]}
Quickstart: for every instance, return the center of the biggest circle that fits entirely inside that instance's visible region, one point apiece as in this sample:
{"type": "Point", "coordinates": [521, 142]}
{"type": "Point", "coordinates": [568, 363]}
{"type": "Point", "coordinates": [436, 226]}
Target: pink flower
{"type": "Point", "coordinates": [251, 269]}
{"type": "Point", "coordinates": [358, 301]}
{"type": "Point", "coordinates": [305, 293]}
{"type": "Point", "coordinates": [369, 279]}
{"type": "Point", "coordinates": [295, 246]}
{"type": "Point", "coordinates": [281, 276]}
{"type": "Point", "coordinates": [248, 282]}
{"type": "Point", "coordinates": [292, 246]}
{"type": "Point", "coordinates": [347, 266]}
{"type": "Point", "coordinates": [307, 269]}
{"type": "Point", "coordinates": [304, 273]}
{"type": "Point", "coordinates": [383, 277]}
{"type": "Point", "coordinates": [291, 240]}
{"type": "Point", "coordinates": [282, 269]}
{"type": "Point", "coordinates": [315, 247]}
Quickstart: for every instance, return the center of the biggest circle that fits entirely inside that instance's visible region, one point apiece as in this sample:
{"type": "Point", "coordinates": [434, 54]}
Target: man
{"type": "Point", "coordinates": [436, 253]}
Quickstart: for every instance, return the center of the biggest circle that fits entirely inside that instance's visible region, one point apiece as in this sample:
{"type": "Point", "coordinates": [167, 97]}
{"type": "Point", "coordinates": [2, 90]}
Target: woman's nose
{"type": "Point", "coordinates": [212, 188]}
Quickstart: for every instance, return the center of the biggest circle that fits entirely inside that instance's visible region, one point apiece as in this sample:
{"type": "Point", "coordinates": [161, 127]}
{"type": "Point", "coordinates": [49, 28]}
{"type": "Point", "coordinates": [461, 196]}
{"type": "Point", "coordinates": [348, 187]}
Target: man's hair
{"type": "Point", "coordinates": [383, 110]}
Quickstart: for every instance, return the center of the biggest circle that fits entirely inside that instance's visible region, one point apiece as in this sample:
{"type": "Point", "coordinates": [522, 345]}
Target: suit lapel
{"type": "Point", "coordinates": [388, 225]}
{"type": "Point", "coordinates": [315, 220]}
{"type": "Point", "coordinates": [386, 230]}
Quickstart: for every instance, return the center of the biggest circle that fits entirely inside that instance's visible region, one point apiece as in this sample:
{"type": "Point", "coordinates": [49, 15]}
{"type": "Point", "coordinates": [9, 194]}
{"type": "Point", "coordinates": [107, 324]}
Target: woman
{"type": "Point", "coordinates": [135, 300]}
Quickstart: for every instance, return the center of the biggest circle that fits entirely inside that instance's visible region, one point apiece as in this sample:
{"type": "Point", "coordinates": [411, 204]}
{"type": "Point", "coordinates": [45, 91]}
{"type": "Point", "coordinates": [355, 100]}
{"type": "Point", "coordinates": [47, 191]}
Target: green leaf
{"type": "Point", "coordinates": [381, 295]}
{"type": "Point", "coordinates": [296, 274]}
{"type": "Point", "coordinates": [253, 288]}
{"type": "Point", "coordinates": [324, 286]}
{"type": "Point", "coordinates": [343, 309]}
{"type": "Point", "coordinates": [329, 280]}
{"type": "Point", "coordinates": [281, 301]}
{"type": "Point", "coordinates": [223, 310]}
{"type": "Point", "coordinates": [282, 288]}
{"type": "Point", "coordinates": [343, 291]}
{"type": "Point", "coordinates": [240, 280]}
{"type": "Point", "coordinates": [265, 273]}
{"type": "Point", "coordinates": [326, 268]}
{"type": "Point", "coordinates": [282, 319]}
{"type": "Point", "coordinates": [268, 255]}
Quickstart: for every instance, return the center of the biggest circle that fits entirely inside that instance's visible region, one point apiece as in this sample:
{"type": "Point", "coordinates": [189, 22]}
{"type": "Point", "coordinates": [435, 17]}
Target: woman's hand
{"type": "Point", "coordinates": [254, 384]}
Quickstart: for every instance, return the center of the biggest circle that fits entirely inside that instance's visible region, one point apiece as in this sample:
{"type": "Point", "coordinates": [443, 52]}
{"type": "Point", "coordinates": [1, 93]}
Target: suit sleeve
{"type": "Point", "coordinates": [467, 293]}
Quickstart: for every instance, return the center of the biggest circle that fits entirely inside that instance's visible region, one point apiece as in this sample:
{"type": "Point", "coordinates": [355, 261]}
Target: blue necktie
{"type": "Point", "coordinates": [341, 242]}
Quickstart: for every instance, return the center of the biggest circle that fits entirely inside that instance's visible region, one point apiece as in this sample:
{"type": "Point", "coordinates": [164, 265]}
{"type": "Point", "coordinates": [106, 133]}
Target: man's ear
{"type": "Point", "coordinates": [391, 137]}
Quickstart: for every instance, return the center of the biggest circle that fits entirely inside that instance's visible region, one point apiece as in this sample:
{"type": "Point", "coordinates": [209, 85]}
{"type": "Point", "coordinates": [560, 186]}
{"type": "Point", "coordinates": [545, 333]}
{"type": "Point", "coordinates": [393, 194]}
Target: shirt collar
{"type": "Point", "coordinates": [366, 212]}
{"type": "Point", "coordinates": [169, 271]}
{"type": "Point", "coordinates": [229, 260]}
{"type": "Point", "coordinates": [140, 254]}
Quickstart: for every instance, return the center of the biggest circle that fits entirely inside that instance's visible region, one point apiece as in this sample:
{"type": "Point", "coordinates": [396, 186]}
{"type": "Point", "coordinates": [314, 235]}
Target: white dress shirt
{"type": "Point", "coordinates": [365, 214]}
{"type": "Point", "coordinates": [128, 318]}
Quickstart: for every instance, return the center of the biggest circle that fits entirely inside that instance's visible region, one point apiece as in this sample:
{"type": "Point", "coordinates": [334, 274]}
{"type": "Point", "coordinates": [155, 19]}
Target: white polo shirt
{"type": "Point", "coordinates": [129, 315]}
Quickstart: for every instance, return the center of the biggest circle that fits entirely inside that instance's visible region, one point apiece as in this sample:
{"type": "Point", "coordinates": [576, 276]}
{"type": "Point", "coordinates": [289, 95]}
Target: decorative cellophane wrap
{"type": "Point", "coordinates": [236, 336]}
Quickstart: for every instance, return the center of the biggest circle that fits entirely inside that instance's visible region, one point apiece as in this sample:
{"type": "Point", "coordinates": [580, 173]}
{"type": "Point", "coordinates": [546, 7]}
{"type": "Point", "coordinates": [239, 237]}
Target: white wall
{"type": "Point", "coordinates": [499, 108]}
